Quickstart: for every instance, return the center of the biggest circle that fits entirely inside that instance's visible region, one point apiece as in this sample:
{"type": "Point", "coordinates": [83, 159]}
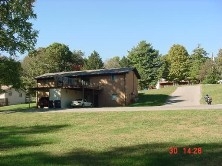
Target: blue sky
{"type": "Point", "coordinates": [113, 27]}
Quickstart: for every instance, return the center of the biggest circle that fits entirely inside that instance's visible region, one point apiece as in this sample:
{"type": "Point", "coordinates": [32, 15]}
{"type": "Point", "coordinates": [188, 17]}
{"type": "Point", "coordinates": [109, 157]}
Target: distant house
{"type": "Point", "coordinates": [219, 82]}
{"type": "Point", "coordinates": [10, 96]}
{"type": "Point", "coordinates": [103, 87]}
{"type": "Point", "coordinates": [164, 83]}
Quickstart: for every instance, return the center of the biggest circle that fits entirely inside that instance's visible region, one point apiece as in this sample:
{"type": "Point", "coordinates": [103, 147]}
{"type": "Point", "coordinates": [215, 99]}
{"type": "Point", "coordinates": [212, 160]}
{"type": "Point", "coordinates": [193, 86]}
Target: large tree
{"type": "Point", "coordinates": [124, 62]}
{"type": "Point", "coordinates": [33, 65]}
{"type": "Point", "coordinates": [178, 59]}
{"type": "Point", "coordinates": [146, 59]}
{"type": "Point", "coordinates": [113, 62]}
{"type": "Point", "coordinates": [197, 58]}
{"type": "Point", "coordinates": [58, 58]}
{"type": "Point", "coordinates": [94, 61]}
{"type": "Point", "coordinates": [163, 71]}
{"type": "Point", "coordinates": [209, 73]}
{"type": "Point", "coordinates": [16, 30]}
{"type": "Point", "coordinates": [77, 60]}
{"type": "Point", "coordinates": [10, 72]}
{"type": "Point", "coordinates": [55, 58]}
{"type": "Point", "coordinates": [219, 62]}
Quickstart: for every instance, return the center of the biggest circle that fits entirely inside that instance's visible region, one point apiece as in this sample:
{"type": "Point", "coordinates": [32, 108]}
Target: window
{"type": "Point", "coordinates": [10, 93]}
{"type": "Point", "coordinates": [114, 96]}
{"type": "Point", "coordinates": [20, 94]}
{"type": "Point", "coordinates": [113, 77]}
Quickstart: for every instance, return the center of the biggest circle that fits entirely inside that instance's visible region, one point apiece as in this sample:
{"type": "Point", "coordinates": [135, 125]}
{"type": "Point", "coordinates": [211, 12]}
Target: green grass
{"type": "Point", "coordinates": [110, 138]}
{"type": "Point", "coordinates": [213, 90]}
{"type": "Point", "coordinates": [18, 107]}
{"type": "Point", "coordinates": [154, 97]}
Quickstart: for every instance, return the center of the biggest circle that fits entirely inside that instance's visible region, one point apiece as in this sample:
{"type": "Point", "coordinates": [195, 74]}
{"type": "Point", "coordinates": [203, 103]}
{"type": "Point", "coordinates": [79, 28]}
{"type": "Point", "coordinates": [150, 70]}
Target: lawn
{"type": "Point", "coordinates": [18, 107]}
{"type": "Point", "coordinates": [110, 138]}
{"type": "Point", "coordinates": [154, 97]}
{"type": "Point", "coordinates": [214, 90]}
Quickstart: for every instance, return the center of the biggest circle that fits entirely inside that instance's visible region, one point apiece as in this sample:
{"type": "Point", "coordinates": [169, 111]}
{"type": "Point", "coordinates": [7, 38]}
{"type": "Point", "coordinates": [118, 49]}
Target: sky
{"type": "Point", "coordinates": [114, 27]}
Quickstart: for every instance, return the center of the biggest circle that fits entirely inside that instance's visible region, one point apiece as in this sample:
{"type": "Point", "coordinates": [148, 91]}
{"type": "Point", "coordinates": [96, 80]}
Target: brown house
{"type": "Point", "coordinates": [103, 87]}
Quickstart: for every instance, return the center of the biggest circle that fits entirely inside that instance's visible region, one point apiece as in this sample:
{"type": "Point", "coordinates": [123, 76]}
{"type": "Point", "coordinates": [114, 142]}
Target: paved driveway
{"type": "Point", "coordinates": [185, 96]}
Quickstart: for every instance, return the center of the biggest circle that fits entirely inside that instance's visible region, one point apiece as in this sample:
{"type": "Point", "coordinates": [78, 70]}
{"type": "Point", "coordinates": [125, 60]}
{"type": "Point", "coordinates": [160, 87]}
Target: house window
{"type": "Point", "coordinates": [20, 94]}
{"type": "Point", "coordinates": [113, 77]}
{"type": "Point", "coordinates": [114, 96]}
{"type": "Point", "coordinates": [10, 93]}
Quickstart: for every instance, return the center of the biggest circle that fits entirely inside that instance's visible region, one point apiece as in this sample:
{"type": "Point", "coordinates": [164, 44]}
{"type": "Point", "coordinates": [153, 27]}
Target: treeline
{"type": "Point", "coordinates": [18, 36]}
{"type": "Point", "coordinates": [176, 65]}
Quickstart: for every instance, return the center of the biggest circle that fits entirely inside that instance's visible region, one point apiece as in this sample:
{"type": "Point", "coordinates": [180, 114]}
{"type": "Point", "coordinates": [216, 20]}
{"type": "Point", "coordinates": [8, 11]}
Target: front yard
{"type": "Point", "coordinates": [110, 138]}
{"type": "Point", "coordinates": [154, 97]}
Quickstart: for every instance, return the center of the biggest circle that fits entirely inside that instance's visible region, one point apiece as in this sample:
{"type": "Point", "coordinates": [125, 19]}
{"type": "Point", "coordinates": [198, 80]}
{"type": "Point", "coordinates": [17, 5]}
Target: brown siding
{"type": "Point", "coordinates": [124, 86]}
{"type": "Point", "coordinates": [110, 87]}
{"type": "Point", "coordinates": [131, 87]}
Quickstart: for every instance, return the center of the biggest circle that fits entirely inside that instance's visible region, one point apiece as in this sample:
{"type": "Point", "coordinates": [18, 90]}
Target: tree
{"type": "Point", "coordinates": [124, 62]}
{"type": "Point", "coordinates": [219, 62]}
{"type": "Point", "coordinates": [178, 62]}
{"type": "Point", "coordinates": [209, 73]}
{"type": "Point", "coordinates": [10, 70]}
{"type": "Point", "coordinates": [55, 58]}
{"type": "Point", "coordinates": [33, 65]}
{"type": "Point", "coordinates": [94, 61]}
{"type": "Point", "coordinates": [58, 58]}
{"type": "Point", "coordinates": [112, 63]}
{"type": "Point", "coordinates": [163, 71]}
{"type": "Point", "coordinates": [16, 32]}
{"type": "Point", "coordinates": [197, 58]}
{"type": "Point", "coordinates": [146, 60]}
{"type": "Point", "coordinates": [77, 60]}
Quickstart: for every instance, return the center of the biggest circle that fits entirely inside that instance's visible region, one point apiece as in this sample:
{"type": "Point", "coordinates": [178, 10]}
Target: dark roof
{"type": "Point", "coordinates": [90, 73]}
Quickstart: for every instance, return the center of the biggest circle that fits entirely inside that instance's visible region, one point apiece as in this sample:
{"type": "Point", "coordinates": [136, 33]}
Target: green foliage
{"type": "Point", "coordinates": [55, 58]}
{"type": "Point", "coordinates": [16, 32]}
{"type": "Point", "coordinates": [94, 61]}
{"type": "Point", "coordinates": [209, 73]}
{"type": "Point", "coordinates": [77, 60]}
{"type": "Point", "coordinates": [33, 65]}
{"type": "Point", "coordinates": [163, 71]}
{"type": "Point", "coordinates": [197, 58]}
{"type": "Point", "coordinates": [58, 58]}
{"type": "Point", "coordinates": [146, 60]}
{"type": "Point", "coordinates": [178, 61]}
{"type": "Point", "coordinates": [10, 71]}
{"type": "Point", "coordinates": [124, 62]}
{"type": "Point", "coordinates": [219, 62]}
{"type": "Point", "coordinates": [112, 63]}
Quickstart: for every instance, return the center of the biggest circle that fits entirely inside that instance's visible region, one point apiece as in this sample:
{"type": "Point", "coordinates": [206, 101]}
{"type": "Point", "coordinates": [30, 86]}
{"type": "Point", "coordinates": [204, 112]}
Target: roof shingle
{"type": "Point", "coordinates": [90, 73]}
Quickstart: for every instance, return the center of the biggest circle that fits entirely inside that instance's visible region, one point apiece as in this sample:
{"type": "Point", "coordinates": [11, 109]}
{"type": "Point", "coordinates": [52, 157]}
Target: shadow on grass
{"type": "Point", "coordinates": [155, 154]}
{"type": "Point", "coordinates": [15, 137]}
{"type": "Point", "coordinates": [151, 99]}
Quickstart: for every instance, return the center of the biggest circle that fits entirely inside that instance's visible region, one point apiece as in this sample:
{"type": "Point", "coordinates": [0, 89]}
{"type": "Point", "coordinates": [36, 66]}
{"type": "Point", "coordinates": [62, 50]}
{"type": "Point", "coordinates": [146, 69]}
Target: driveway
{"type": "Point", "coordinates": [185, 96]}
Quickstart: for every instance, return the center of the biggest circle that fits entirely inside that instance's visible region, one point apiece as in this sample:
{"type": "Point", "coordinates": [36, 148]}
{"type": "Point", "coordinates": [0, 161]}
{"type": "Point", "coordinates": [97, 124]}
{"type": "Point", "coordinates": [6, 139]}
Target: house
{"type": "Point", "coordinates": [103, 87]}
{"type": "Point", "coordinates": [164, 83]}
{"type": "Point", "coordinates": [10, 96]}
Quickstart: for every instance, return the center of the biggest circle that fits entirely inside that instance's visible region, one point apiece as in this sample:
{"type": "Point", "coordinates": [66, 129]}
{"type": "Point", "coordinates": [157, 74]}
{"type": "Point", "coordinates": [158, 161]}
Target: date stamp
{"type": "Point", "coordinates": [185, 150]}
